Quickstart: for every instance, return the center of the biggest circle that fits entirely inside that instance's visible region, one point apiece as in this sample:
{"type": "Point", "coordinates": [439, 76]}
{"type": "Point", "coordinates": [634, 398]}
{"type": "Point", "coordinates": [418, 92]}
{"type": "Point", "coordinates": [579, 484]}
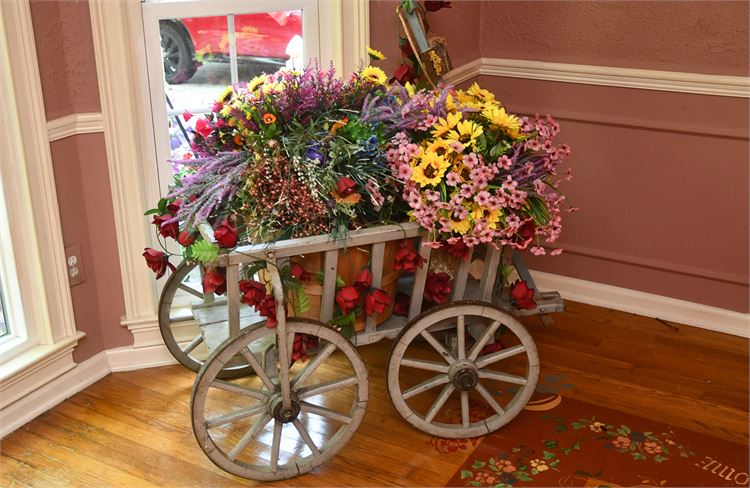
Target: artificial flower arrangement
{"type": "Point", "coordinates": [301, 153]}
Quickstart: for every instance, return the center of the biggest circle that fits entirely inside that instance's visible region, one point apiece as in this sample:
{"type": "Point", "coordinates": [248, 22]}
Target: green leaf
{"type": "Point", "coordinates": [466, 474]}
{"type": "Point", "coordinates": [534, 471]}
{"type": "Point", "coordinates": [566, 450]}
{"type": "Point", "coordinates": [659, 459]}
{"type": "Point", "coordinates": [550, 444]}
{"type": "Point", "coordinates": [204, 251]}
{"type": "Point", "coordinates": [523, 476]}
{"type": "Point", "coordinates": [340, 283]}
{"type": "Point", "coordinates": [301, 302]}
{"type": "Point", "coordinates": [494, 468]}
{"type": "Point", "coordinates": [478, 464]}
{"type": "Point", "coordinates": [577, 445]}
{"type": "Point", "coordinates": [475, 483]}
{"type": "Point", "coordinates": [548, 455]}
{"type": "Point", "coordinates": [554, 463]}
{"type": "Point", "coordinates": [561, 427]}
{"type": "Point", "coordinates": [151, 211]}
{"type": "Point", "coordinates": [626, 429]}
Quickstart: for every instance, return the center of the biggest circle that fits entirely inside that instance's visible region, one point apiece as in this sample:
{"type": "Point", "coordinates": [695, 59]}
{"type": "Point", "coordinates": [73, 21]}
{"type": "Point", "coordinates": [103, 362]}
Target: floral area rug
{"type": "Point", "coordinates": [559, 441]}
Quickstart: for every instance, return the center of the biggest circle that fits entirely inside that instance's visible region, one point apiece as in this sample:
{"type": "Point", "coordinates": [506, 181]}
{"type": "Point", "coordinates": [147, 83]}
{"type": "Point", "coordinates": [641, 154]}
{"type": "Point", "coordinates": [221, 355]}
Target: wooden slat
{"type": "Point", "coordinates": [420, 277]}
{"type": "Point", "coordinates": [330, 263]}
{"type": "Point", "coordinates": [462, 274]}
{"type": "Point", "coordinates": [376, 266]}
{"type": "Point", "coordinates": [489, 273]}
{"type": "Point", "coordinates": [233, 299]}
{"type": "Point", "coordinates": [523, 271]}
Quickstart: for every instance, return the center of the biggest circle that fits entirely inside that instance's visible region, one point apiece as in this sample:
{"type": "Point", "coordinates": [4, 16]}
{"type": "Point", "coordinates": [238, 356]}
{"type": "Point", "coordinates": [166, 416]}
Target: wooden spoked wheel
{"type": "Point", "coordinates": [447, 378]}
{"type": "Point", "coordinates": [242, 424]}
{"type": "Point", "coordinates": [181, 307]}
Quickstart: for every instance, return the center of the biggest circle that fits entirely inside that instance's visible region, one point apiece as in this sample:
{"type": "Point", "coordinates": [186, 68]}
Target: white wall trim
{"type": "Point", "coordinates": [74, 124]}
{"type": "Point", "coordinates": [643, 79]}
{"type": "Point", "coordinates": [646, 304]}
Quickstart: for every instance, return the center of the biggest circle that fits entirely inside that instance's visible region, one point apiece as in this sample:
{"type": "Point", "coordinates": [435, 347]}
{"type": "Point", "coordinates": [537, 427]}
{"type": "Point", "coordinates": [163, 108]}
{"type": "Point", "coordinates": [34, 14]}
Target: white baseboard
{"type": "Point", "coordinates": [646, 304]}
{"type": "Point", "coordinates": [132, 358]}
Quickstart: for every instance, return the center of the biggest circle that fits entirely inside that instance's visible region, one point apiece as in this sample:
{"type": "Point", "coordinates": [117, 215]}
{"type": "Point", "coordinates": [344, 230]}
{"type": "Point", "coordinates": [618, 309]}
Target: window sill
{"type": "Point", "coordinates": [34, 367]}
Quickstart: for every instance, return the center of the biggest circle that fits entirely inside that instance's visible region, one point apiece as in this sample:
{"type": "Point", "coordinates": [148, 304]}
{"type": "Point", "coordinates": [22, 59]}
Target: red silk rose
{"type": "Point", "coordinates": [435, 5]}
{"type": "Point", "coordinates": [345, 186]}
{"type": "Point", "coordinates": [376, 301]}
{"type": "Point", "coordinates": [303, 342]}
{"type": "Point", "coordinates": [226, 234]}
{"type": "Point", "coordinates": [174, 207]}
{"type": "Point", "coordinates": [215, 281]}
{"type": "Point", "coordinates": [363, 281]}
{"type": "Point", "coordinates": [267, 308]}
{"type": "Point", "coordinates": [166, 230]}
{"type": "Point", "coordinates": [186, 238]}
{"type": "Point", "coordinates": [526, 232]}
{"type": "Point", "coordinates": [157, 261]}
{"type": "Point", "coordinates": [437, 288]}
{"type": "Point", "coordinates": [458, 249]}
{"type": "Point", "coordinates": [407, 259]}
{"type": "Point", "coordinates": [297, 271]}
{"type": "Point", "coordinates": [522, 295]}
{"type": "Point", "coordinates": [347, 299]}
{"type": "Point", "coordinates": [403, 74]}
{"type": "Point", "coordinates": [252, 292]}
{"type": "Point", "coordinates": [203, 127]}
{"type": "Point", "coordinates": [401, 307]}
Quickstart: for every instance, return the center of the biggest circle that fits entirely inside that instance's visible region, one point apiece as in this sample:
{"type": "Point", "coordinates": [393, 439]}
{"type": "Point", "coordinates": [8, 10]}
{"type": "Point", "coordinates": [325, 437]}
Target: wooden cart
{"type": "Point", "coordinates": [260, 415]}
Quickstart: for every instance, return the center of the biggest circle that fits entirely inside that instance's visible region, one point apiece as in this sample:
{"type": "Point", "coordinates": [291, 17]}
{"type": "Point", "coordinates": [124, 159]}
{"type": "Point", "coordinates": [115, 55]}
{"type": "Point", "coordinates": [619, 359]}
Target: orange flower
{"type": "Point", "coordinates": [339, 124]}
{"type": "Point", "coordinates": [269, 118]}
{"type": "Point", "coordinates": [237, 140]}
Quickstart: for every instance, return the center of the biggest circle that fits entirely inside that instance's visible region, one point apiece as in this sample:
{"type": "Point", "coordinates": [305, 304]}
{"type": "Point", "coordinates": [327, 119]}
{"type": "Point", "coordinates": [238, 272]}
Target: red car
{"type": "Point", "coordinates": [261, 37]}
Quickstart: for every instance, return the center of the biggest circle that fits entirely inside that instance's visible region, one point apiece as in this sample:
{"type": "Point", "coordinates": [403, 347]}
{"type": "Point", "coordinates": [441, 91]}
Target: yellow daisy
{"type": "Point", "coordinates": [466, 132]}
{"type": "Point", "coordinates": [508, 123]}
{"type": "Point", "coordinates": [430, 169]}
{"type": "Point", "coordinates": [444, 125]}
{"type": "Point", "coordinates": [373, 74]}
{"type": "Point", "coordinates": [375, 54]}
{"type": "Point", "coordinates": [461, 226]}
{"type": "Point", "coordinates": [410, 89]}
{"type": "Point", "coordinates": [480, 93]}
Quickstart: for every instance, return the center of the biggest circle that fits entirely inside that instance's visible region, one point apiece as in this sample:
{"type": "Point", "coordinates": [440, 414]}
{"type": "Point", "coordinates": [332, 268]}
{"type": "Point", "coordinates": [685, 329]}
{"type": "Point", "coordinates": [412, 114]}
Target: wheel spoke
{"type": "Point", "coordinates": [439, 402]}
{"type": "Point", "coordinates": [250, 358]}
{"type": "Point", "coordinates": [248, 437]}
{"type": "Point", "coordinates": [503, 377]}
{"type": "Point", "coordinates": [424, 364]}
{"type": "Point", "coordinates": [189, 289]}
{"type": "Point", "coordinates": [488, 398]}
{"type": "Point", "coordinates": [437, 380]}
{"type": "Point", "coordinates": [193, 344]}
{"type": "Point", "coordinates": [461, 332]}
{"type": "Point", "coordinates": [233, 416]}
{"type": "Point", "coordinates": [489, 333]}
{"type": "Point", "coordinates": [313, 364]}
{"type": "Point", "coordinates": [276, 445]}
{"type": "Point", "coordinates": [325, 412]}
{"type": "Point", "coordinates": [306, 437]}
{"type": "Point", "coordinates": [448, 357]}
{"type": "Point", "coordinates": [240, 390]}
{"type": "Point", "coordinates": [497, 356]}
{"type": "Point", "coordinates": [465, 409]}
{"type": "Point", "coordinates": [320, 388]}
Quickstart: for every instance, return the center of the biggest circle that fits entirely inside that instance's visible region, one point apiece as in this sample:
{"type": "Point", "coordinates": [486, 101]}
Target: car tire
{"type": "Point", "coordinates": [178, 53]}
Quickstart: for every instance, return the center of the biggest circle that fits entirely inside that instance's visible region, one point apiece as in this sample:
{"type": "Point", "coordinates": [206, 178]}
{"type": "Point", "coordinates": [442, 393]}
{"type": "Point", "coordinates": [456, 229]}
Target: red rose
{"type": "Point", "coordinates": [347, 299]}
{"type": "Point", "coordinates": [174, 207]}
{"type": "Point", "coordinates": [435, 5]}
{"type": "Point", "coordinates": [407, 259]}
{"type": "Point", "coordinates": [522, 295]}
{"type": "Point", "coordinates": [252, 292]}
{"type": "Point", "coordinates": [401, 307]}
{"type": "Point", "coordinates": [458, 249]}
{"type": "Point", "coordinates": [405, 47]}
{"type": "Point", "coordinates": [203, 127]}
{"type": "Point", "coordinates": [403, 74]}
{"type": "Point", "coordinates": [363, 281]}
{"type": "Point", "coordinates": [186, 115]}
{"type": "Point", "coordinates": [494, 347]}
{"type": "Point", "coordinates": [215, 281]}
{"type": "Point", "coordinates": [437, 288]}
{"type": "Point", "coordinates": [299, 272]}
{"type": "Point", "coordinates": [376, 301]}
{"type": "Point", "coordinates": [170, 229]}
{"type": "Point", "coordinates": [267, 308]}
{"type": "Point", "coordinates": [303, 342]}
{"type": "Point", "coordinates": [226, 234]}
{"type": "Point", "coordinates": [526, 232]}
{"type": "Point", "coordinates": [157, 261]}
{"type": "Point", "coordinates": [345, 186]}
{"type": "Point", "coordinates": [186, 238]}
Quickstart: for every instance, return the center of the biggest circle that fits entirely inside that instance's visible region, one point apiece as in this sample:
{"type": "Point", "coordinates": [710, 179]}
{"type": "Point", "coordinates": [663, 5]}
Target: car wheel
{"type": "Point", "coordinates": [178, 53]}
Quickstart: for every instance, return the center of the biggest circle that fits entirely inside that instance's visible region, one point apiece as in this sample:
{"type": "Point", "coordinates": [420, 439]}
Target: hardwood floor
{"type": "Point", "coordinates": [133, 429]}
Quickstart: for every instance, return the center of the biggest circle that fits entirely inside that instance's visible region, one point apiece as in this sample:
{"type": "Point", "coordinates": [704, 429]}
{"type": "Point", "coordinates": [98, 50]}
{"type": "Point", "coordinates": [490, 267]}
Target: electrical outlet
{"type": "Point", "coordinates": [74, 262]}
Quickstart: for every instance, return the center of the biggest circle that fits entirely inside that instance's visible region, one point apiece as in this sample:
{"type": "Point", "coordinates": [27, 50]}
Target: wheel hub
{"type": "Point", "coordinates": [463, 374]}
{"type": "Point", "coordinates": [278, 412]}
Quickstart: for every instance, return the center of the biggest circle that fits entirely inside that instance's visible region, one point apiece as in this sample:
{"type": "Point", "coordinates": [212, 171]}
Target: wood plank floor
{"type": "Point", "coordinates": [133, 429]}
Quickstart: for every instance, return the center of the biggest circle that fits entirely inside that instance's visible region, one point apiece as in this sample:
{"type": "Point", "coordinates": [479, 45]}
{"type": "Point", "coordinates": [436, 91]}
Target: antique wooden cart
{"type": "Point", "coordinates": [258, 414]}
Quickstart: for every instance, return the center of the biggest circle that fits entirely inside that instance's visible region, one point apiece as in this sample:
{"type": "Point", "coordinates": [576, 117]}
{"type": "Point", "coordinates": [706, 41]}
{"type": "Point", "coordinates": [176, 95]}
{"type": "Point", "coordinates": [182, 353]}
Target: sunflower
{"type": "Point", "coordinates": [430, 169]}
{"type": "Point", "coordinates": [480, 93]}
{"type": "Point", "coordinates": [375, 54]}
{"type": "Point", "coordinates": [443, 125]}
{"type": "Point", "coordinates": [461, 226]}
{"type": "Point", "coordinates": [466, 132]}
{"type": "Point", "coordinates": [508, 123]}
{"type": "Point", "coordinates": [410, 89]}
{"type": "Point", "coordinates": [491, 216]}
{"type": "Point", "coordinates": [255, 83]}
{"type": "Point", "coordinates": [439, 147]}
{"type": "Point", "coordinates": [226, 94]}
{"type": "Point", "coordinates": [374, 75]}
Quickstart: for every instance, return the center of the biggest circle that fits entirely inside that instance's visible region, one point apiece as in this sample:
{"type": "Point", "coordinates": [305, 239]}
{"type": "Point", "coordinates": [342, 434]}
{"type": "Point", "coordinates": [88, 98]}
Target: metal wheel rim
{"type": "Point", "coordinates": [474, 429]}
{"type": "Point", "coordinates": [230, 348]}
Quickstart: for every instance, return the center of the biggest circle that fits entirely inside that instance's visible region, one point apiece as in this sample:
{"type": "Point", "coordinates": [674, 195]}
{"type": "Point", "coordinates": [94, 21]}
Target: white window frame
{"type": "Point", "coordinates": [33, 253]}
{"type": "Point", "coordinates": [118, 34]}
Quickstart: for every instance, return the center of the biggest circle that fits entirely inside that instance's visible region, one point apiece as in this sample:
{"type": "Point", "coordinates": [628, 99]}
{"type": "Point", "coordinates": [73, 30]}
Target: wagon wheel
{"type": "Point", "coordinates": [482, 387]}
{"type": "Point", "coordinates": [242, 426]}
{"type": "Point", "coordinates": [181, 297]}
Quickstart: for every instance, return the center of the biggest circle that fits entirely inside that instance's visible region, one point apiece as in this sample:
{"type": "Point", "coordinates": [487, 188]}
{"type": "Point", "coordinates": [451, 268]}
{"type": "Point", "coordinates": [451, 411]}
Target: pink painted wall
{"type": "Point", "coordinates": [68, 72]}
{"type": "Point", "coordinates": [65, 51]}
{"type": "Point", "coordinates": [698, 36]}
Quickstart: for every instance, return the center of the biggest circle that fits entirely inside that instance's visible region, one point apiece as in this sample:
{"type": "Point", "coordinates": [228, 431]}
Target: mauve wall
{"type": "Point", "coordinates": [66, 63]}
